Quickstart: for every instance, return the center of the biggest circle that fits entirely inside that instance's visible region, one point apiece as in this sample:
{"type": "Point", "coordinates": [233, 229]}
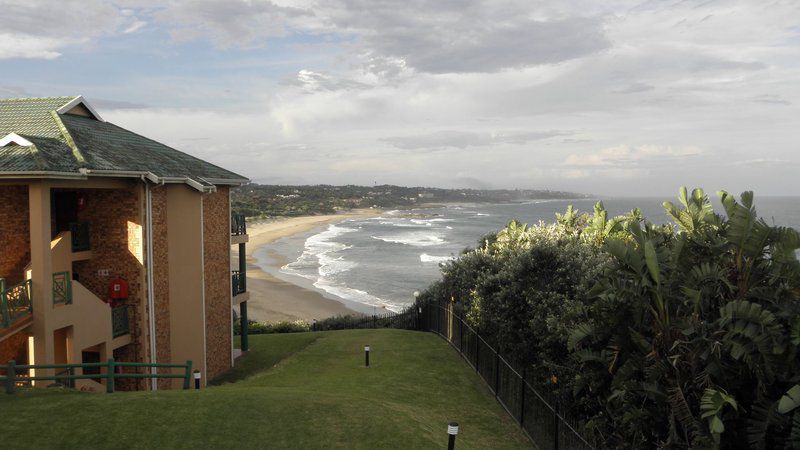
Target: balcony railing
{"type": "Point", "coordinates": [120, 320]}
{"type": "Point", "coordinates": [238, 225]}
{"type": "Point", "coordinates": [238, 282]}
{"type": "Point", "coordinates": [80, 236]}
{"type": "Point", "coordinates": [62, 288]}
{"type": "Point", "coordinates": [15, 303]}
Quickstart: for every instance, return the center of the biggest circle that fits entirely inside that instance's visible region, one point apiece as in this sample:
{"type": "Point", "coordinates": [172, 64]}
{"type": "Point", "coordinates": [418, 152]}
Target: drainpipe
{"type": "Point", "coordinates": [150, 286]}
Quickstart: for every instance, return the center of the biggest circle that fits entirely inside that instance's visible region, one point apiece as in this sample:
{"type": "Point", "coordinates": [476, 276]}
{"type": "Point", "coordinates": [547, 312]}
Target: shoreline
{"type": "Point", "coordinates": [275, 300]}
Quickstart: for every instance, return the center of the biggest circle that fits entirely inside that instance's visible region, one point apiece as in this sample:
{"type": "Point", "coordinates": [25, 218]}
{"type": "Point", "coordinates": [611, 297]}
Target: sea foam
{"type": "Point", "coordinates": [426, 258]}
{"type": "Point", "coordinates": [414, 239]}
{"type": "Point", "coordinates": [321, 261]}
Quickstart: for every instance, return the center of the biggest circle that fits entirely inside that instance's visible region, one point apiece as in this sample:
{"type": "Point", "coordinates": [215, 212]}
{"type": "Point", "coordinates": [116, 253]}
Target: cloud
{"type": "Point", "coordinates": [227, 23]}
{"type": "Point", "coordinates": [28, 47]}
{"type": "Point", "coordinates": [416, 92]}
{"type": "Point", "coordinates": [634, 88]}
{"type": "Point", "coordinates": [41, 29]}
{"type": "Point", "coordinates": [457, 46]}
{"type": "Point", "coordinates": [771, 99]}
{"type": "Point", "coordinates": [471, 183]}
{"type": "Point", "coordinates": [14, 91]}
{"type": "Point", "coordinates": [464, 139]}
{"type": "Point", "coordinates": [766, 163]}
{"type": "Point", "coordinates": [629, 156]}
{"type": "Point", "coordinates": [310, 82]}
{"type": "Point", "coordinates": [100, 103]}
{"type": "Point", "coordinates": [135, 26]}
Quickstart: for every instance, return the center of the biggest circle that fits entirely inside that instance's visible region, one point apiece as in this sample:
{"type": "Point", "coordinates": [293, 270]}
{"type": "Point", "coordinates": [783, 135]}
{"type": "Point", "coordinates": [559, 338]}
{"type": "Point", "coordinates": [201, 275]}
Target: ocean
{"type": "Point", "coordinates": [375, 265]}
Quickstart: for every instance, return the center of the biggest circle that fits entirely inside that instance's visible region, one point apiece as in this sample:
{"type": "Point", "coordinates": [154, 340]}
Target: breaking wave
{"type": "Point", "coordinates": [426, 258]}
{"type": "Point", "coordinates": [414, 239]}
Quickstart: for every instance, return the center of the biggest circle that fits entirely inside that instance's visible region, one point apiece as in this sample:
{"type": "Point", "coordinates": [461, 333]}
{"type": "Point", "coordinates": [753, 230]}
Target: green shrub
{"type": "Point", "coordinates": [656, 336]}
{"type": "Point", "coordinates": [298, 326]}
{"type": "Point", "coordinates": [525, 288]}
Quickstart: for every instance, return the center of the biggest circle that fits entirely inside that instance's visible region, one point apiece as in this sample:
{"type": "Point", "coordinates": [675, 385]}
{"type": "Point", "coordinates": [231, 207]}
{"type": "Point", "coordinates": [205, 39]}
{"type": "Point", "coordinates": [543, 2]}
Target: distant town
{"type": "Point", "coordinates": [257, 200]}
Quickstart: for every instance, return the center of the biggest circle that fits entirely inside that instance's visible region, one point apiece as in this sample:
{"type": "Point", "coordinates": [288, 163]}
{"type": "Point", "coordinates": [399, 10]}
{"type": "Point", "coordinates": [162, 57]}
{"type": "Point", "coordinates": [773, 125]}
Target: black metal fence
{"type": "Point", "coordinates": [408, 320]}
{"type": "Point", "coordinates": [536, 413]}
{"type": "Point", "coordinates": [541, 418]}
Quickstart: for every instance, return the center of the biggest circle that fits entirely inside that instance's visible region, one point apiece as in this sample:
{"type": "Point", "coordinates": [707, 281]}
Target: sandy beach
{"type": "Point", "coordinates": [275, 300]}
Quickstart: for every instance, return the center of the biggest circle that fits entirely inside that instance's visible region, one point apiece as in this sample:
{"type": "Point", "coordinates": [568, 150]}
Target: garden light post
{"type": "Point", "coordinates": [419, 310]}
{"type": "Point", "coordinates": [366, 355]}
{"type": "Point", "coordinates": [197, 379]}
{"type": "Point", "coordinates": [452, 431]}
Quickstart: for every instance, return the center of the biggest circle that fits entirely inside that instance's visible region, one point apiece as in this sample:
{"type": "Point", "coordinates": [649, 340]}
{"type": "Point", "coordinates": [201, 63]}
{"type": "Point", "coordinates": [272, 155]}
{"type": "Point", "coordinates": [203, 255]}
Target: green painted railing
{"type": "Point", "coordinates": [15, 303]}
{"type": "Point", "coordinates": [11, 378]}
{"type": "Point", "coordinates": [62, 288]}
{"type": "Point", "coordinates": [80, 236]}
{"type": "Point", "coordinates": [120, 320]}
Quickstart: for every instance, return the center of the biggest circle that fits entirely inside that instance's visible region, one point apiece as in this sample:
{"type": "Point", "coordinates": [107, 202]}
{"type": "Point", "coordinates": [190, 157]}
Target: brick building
{"type": "Point", "coordinates": [112, 245]}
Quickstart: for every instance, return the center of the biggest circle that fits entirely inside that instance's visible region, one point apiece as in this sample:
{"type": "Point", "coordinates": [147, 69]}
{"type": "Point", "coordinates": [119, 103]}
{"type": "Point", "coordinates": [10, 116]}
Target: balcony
{"type": "Point", "coordinates": [238, 229]}
{"type": "Point", "coordinates": [15, 304]}
{"type": "Point", "coordinates": [62, 288]}
{"type": "Point", "coordinates": [120, 320]}
{"type": "Point", "coordinates": [239, 287]}
{"type": "Point", "coordinates": [238, 282]}
{"type": "Point", "coordinates": [80, 237]}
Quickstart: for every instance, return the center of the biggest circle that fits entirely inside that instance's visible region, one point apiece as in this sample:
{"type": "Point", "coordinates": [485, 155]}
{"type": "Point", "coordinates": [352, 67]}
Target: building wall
{"type": "Point", "coordinates": [15, 347]}
{"type": "Point", "coordinates": [15, 246]}
{"type": "Point", "coordinates": [216, 245]}
{"type": "Point", "coordinates": [161, 277]}
{"type": "Point", "coordinates": [185, 257]}
{"type": "Point", "coordinates": [116, 225]}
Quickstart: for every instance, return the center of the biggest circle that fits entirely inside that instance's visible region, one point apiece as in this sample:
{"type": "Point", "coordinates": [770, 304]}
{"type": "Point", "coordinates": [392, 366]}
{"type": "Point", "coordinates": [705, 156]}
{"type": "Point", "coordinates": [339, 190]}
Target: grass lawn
{"type": "Point", "coordinates": [304, 390]}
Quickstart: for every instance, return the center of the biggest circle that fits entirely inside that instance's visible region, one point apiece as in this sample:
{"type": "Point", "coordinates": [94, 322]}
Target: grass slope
{"type": "Point", "coordinates": [306, 390]}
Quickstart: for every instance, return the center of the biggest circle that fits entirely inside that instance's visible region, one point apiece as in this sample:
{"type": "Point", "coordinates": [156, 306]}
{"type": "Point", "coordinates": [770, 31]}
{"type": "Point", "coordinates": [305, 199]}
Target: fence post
{"type": "Point", "coordinates": [496, 372]}
{"type": "Point", "coordinates": [522, 400]}
{"type": "Point", "coordinates": [187, 379]}
{"type": "Point", "coordinates": [556, 425]}
{"type": "Point", "coordinates": [11, 374]}
{"type": "Point", "coordinates": [438, 315]}
{"type": "Point", "coordinates": [110, 376]}
{"type": "Point", "coordinates": [477, 350]}
{"type": "Point", "coordinates": [460, 333]}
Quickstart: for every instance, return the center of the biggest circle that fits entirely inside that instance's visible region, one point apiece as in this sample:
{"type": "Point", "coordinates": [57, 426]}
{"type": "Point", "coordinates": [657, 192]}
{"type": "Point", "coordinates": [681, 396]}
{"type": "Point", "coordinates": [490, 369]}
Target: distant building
{"type": "Point", "coordinates": [425, 195]}
{"type": "Point", "coordinates": [112, 245]}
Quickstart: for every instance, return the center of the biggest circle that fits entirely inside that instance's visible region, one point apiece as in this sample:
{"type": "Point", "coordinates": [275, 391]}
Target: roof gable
{"type": "Point", "coordinates": [80, 107]}
{"type": "Point", "coordinates": [15, 139]}
{"type": "Point", "coordinates": [67, 136]}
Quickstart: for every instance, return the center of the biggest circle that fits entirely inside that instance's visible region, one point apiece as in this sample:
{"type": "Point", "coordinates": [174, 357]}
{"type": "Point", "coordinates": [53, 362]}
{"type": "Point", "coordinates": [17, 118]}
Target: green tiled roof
{"type": "Point", "coordinates": [73, 144]}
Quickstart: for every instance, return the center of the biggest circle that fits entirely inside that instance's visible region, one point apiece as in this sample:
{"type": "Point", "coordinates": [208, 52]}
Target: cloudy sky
{"type": "Point", "coordinates": [613, 97]}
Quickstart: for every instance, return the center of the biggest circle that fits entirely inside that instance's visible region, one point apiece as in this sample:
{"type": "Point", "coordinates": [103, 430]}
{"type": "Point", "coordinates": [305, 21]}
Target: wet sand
{"type": "Point", "coordinates": [275, 300]}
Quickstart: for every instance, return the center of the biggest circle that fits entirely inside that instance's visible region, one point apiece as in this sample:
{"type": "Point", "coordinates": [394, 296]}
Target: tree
{"type": "Point", "coordinates": [693, 330]}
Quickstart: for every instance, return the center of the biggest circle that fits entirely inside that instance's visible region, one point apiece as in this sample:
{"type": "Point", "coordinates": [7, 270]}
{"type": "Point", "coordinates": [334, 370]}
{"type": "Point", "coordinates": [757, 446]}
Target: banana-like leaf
{"type": "Point", "coordinates": [579, 333]}
{"type": "Point", "coordinates": [652, 261]}
{"type": "Point", "coordinates": [790, 400]}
